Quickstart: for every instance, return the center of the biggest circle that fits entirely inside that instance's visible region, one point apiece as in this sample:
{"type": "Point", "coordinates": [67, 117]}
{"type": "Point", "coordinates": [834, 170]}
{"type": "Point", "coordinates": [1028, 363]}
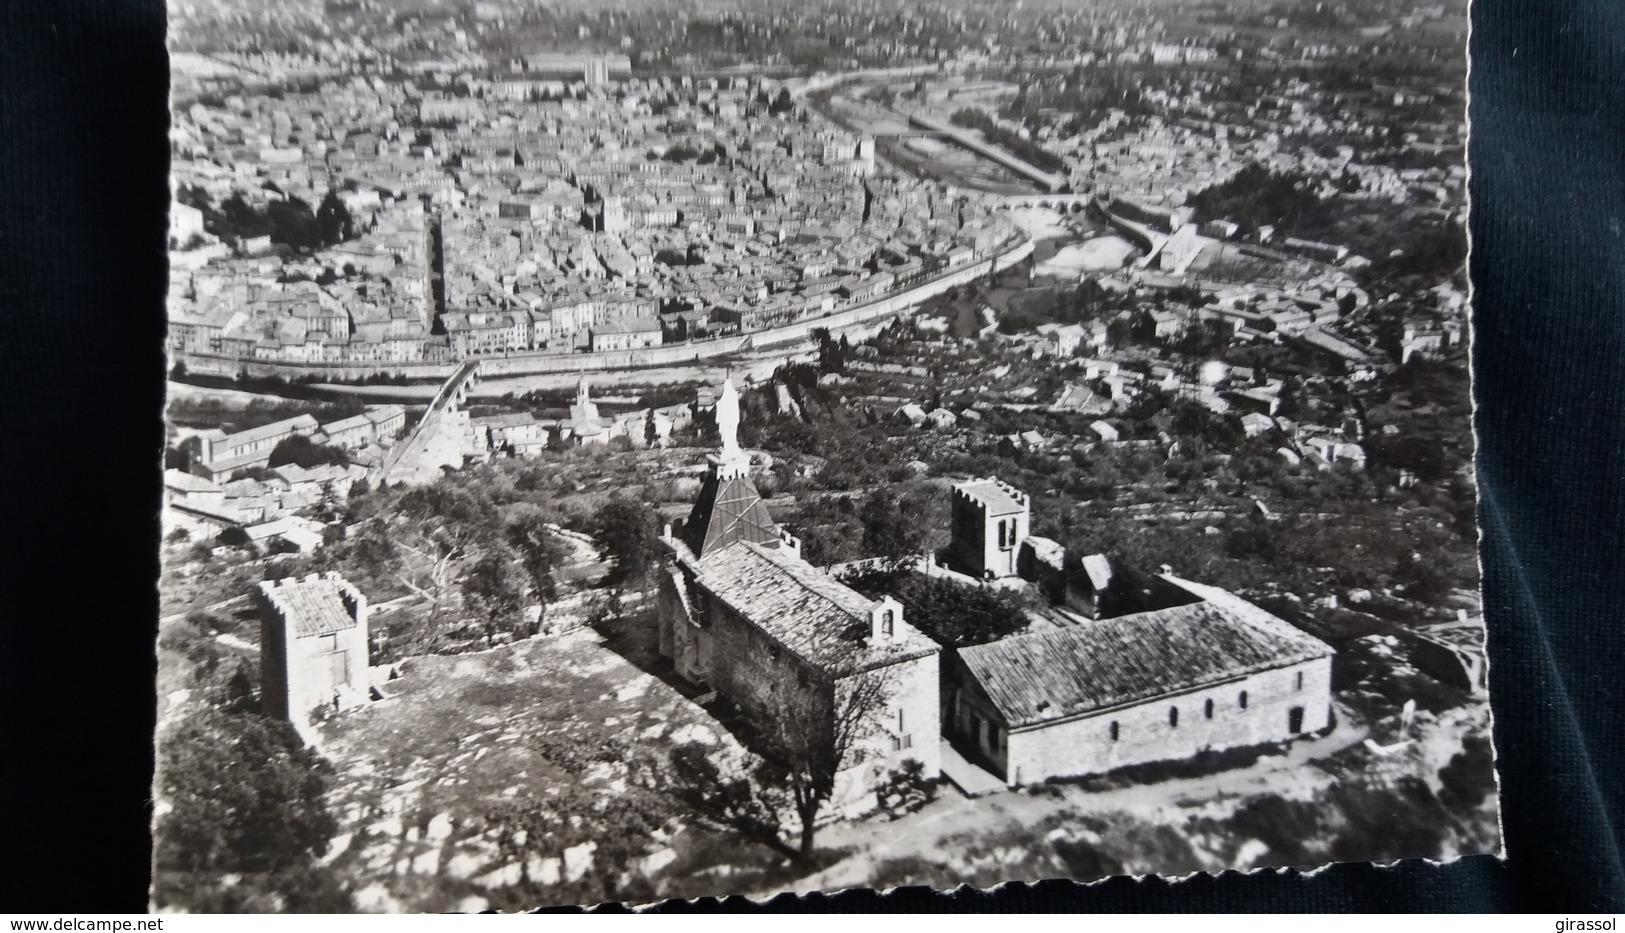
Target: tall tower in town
{"type": "Point", "coordinates": [596, 71]}
{"type": "Point", "coordinates": [615, 218]}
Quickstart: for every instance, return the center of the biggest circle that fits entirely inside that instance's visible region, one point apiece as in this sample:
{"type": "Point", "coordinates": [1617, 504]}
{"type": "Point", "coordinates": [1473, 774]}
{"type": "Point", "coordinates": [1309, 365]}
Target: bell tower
{"type": "Point", "coordinates": [585, 407]}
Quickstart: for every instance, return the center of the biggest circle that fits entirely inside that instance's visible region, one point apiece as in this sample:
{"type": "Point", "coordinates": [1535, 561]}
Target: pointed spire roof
{"type": "Point", "coordinates": [729, 510]}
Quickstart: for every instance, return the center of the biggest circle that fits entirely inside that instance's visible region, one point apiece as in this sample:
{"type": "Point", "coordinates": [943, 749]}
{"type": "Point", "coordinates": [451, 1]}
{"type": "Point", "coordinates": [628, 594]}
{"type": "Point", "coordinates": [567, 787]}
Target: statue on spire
{"type": "Point", "coordinates": [728, 420]}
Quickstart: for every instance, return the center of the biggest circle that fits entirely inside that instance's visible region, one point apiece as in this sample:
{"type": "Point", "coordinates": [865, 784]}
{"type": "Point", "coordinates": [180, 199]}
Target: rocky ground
{"type": "Point", "coordinates": [1177, 826]}
{"type": "Point", "coordinates": [419, 772]}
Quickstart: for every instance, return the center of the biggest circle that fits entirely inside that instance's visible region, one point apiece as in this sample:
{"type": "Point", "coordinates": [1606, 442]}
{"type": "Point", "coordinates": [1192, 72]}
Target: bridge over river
{"type": "Point", "coordinates": [438, 438]}
{"type": "Point", "coordinates": [1065, 203]}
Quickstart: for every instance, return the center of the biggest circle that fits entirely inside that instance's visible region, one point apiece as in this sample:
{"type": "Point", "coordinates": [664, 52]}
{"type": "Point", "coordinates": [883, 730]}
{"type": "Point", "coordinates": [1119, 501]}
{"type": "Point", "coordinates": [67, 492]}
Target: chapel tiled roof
{"type": "Point", "coordinates": [313, 605]}
{"type": "Point", "coordinates": [1060, 673]}
{"type": "Point", "coordinates": [804, 609]}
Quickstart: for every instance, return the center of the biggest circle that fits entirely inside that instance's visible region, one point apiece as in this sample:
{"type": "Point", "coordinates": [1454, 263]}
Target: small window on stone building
{"type": "Point", "coordinates": [888, 622]}
{"type": "Point", "coordinates": [1173, 716]}
{"type": "Point", "coordinates": [1207, 709]}
{"type": "Point", "coordinates": [1115, 731]}
{"type": "Point", "coordinates": [1300, 680]}
{"type": "Point", "coordinates": [1243, 699]}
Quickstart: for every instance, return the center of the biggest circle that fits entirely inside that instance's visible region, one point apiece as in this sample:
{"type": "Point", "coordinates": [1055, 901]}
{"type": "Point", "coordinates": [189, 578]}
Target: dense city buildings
{"type": "Point", "coordinates": [471, 221]}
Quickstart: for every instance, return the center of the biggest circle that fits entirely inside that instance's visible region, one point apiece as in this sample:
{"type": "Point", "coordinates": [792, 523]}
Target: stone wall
{"type": "Point", "coordinates": [753, 671]}
{"type": "Point", "coordinates": [870, 312]}
{"type": "Point", "coordinates": [683, 638]}
{"type": "Point", "coordinates": [974, 724]}
{"type": "Point", "coordinates": [913, 688]}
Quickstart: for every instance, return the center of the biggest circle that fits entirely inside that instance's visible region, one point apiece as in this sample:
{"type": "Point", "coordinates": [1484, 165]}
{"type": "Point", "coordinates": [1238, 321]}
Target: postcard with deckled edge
{"type": "Point", "coordinates": [654, 450]}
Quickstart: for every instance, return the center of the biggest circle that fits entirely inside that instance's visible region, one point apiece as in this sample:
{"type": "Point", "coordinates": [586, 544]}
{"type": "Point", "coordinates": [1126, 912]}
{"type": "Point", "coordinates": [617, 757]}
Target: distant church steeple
{"type": "Point", "coordinates": [585, 407]}
{"type": "Point", "coordinates": [583, 424]}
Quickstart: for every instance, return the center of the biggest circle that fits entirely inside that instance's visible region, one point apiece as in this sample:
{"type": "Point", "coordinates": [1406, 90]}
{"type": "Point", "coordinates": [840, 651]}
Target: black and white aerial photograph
{"type": "Point", "coordinates": [621, 450]}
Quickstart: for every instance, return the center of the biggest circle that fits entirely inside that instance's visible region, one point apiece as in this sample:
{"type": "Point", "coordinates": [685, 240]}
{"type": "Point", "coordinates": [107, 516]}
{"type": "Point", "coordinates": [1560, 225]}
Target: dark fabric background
{"type": "Point", "coordinates": [82, 198]}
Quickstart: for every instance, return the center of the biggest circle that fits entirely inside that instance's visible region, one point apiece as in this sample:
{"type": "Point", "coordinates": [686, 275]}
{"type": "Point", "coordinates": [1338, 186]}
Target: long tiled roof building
{"type": "Point", "coordinates": [1061, 673]}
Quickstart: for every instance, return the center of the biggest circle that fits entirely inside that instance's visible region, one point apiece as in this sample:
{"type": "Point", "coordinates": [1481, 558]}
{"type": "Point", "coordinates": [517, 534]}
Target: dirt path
{"type": "Point", "coordinates": [577, 578]}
